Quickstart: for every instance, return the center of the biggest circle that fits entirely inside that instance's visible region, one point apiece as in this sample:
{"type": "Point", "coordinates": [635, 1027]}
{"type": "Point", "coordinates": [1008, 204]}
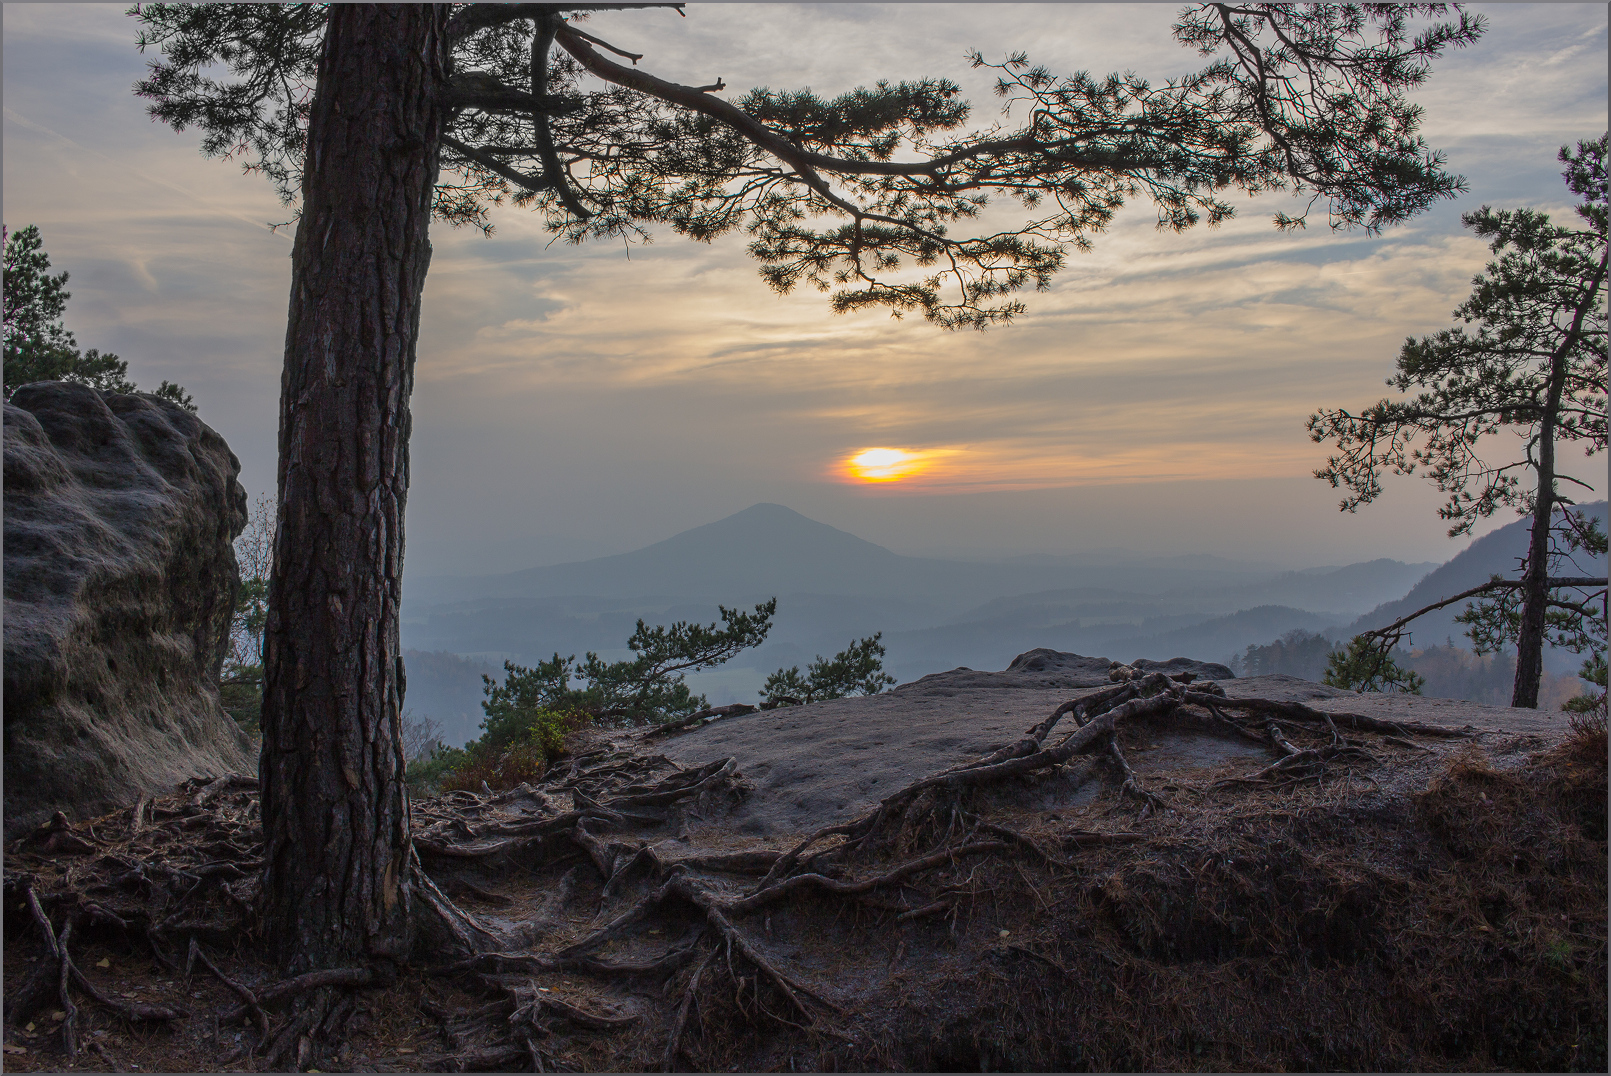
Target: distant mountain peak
{"type": "Point", "coordinates": [777, 524]}
{"type": "Point", "coordinates": [770, 509]}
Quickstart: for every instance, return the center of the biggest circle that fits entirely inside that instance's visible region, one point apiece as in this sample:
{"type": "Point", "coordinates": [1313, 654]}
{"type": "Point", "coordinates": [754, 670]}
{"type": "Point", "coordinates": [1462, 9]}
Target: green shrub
{"type": "Point", "coordinates": [515, 747]}
{"type": "Point", "coordinates": [241, 692]}
{"type": "Point", "coordinates": [550, 729]}
{"type": "Point", "coordinates": [1593, 703]}
{"type": "Point", "coordinates": [506, 769]}
{"type": "Point", "coordinates": [426, 773]}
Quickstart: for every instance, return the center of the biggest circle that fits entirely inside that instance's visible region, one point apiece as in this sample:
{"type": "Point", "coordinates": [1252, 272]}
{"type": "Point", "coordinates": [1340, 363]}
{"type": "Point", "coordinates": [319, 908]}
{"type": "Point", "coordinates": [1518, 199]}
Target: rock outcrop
{"type": "Point", "coordinates": [1057, 668]}
{"type": "Point", "coordinates": [120, 578]}
{"type": "Point", "coordinates": [1202, 670]}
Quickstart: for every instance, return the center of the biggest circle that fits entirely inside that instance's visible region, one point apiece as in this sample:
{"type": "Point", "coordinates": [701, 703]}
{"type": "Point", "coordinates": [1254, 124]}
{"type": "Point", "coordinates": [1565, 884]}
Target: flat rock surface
{"type": "Point", "coordinates": [1452, 713]}
{"type": "Point", "coordinates": [828, 762]}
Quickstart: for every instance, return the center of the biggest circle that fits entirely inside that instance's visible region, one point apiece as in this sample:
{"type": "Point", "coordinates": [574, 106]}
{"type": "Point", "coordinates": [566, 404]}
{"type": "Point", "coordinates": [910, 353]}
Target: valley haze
{"type": "Point", "coordinates": [833, 587]}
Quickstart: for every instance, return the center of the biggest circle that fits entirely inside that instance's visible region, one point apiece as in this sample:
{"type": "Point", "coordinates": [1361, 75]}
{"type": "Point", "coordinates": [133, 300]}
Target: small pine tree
{"type": "Point", "coordinates": [1594, 671]}
{"type": "Point", "coordinates": [1367, 665]}
{"type": "Point", "coordinates": [856, 670]}
{"type": "Point", "coordinates": [649, 687]}
{"type": "Point", "coordinates": [1528, 358]}
{"type": "Point", "coordinates": [38, 346]}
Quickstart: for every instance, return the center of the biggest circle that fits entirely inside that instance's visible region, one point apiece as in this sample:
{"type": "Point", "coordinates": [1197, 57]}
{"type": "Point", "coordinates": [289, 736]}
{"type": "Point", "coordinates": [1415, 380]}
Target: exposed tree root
{"type": "Point", "coordinates": [57, 977]}
{"type": "Point", "coordinates": [1132, 784]}
{"type": "Point", "coordinates": [930, 805]}
{"type": "Point", "coordinates": [178, 872]}
{"type": "Point", "coordinates": [701, 717]}
{"type": "Point", "coordinates": [690, 996]}
{"type": "Point", "coordinates": [252, 1005]}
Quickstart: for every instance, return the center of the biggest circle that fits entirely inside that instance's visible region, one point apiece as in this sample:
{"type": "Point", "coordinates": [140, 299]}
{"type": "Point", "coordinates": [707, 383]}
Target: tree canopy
{"type": "Point", "coordinates": [859, 193]}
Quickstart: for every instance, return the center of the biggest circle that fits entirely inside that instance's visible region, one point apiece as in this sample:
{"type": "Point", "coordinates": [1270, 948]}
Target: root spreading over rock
{"type": "Point", "coordinates": [1373, 893]}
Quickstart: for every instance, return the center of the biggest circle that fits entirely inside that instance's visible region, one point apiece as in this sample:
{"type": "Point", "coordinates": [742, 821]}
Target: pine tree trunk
{"type": "Point", "coordinates": [1535, 593]}
{"type": "Point", "coordinates": [335, 810]}
{"type": "Point", "coordinates": [1535, 589]}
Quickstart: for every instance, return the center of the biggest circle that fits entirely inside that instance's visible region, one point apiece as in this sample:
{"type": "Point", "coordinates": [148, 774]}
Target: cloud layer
{"type": "Point", "coordinates": [597, 398]}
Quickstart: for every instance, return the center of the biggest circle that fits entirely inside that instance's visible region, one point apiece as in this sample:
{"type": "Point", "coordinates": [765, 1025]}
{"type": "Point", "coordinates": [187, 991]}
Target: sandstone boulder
{"type": "Point", "coordinates": [1051, 668]}
{"type": "Point", "coordinates": [120, 577]}
{"type": "Point", "coordinates": [1072, 670]}
{"type": "Point", "coordinates": [1203, 670]}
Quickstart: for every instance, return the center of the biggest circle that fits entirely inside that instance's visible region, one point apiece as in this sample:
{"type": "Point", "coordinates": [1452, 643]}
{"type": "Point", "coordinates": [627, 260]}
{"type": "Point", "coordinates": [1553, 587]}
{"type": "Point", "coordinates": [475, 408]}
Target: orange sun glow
{"type": "Point", "coordinates": [885, 464]}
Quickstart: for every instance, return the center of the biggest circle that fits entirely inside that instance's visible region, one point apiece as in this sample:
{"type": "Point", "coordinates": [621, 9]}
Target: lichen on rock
{"type": "Point", "coordinates": [120, 578]}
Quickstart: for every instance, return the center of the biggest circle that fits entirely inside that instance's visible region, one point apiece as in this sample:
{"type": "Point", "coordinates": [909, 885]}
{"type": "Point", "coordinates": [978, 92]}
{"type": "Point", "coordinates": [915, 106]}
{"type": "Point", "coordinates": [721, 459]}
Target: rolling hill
{"type": "Point", "coordinates": [769, 549]}
{"type": "Point", "coordinates": [1496, 553]}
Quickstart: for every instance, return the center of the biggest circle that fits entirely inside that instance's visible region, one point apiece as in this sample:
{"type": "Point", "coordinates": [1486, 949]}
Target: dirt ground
{"type": "Point", "coordinates": [1442, 906]}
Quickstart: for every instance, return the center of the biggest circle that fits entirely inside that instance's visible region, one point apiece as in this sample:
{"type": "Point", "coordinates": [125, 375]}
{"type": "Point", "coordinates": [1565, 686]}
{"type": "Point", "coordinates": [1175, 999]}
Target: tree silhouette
{"type": "Point", "coordinates": [1534, 362]}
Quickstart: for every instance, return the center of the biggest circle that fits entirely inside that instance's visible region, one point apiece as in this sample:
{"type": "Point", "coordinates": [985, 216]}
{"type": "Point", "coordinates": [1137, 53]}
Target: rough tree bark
{"type": "Point", "coordinates": [334, 807]}
{"type": "Point", "coordinates": [1535, 589]}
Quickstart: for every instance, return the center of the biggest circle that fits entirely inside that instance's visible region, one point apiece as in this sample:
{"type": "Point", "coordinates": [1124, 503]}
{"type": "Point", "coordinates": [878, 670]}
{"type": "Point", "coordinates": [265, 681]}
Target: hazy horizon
{"type": "Point", "coordinates": [831, 587]}
{"type": "Point", "coordinates": [577, 402]}
{"type": "Point", "coordinates": [517, 554]}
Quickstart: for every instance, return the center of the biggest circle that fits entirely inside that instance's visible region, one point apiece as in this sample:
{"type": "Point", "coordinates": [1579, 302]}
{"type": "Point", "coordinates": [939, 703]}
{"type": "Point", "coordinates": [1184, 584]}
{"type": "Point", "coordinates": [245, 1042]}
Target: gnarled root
{"type": "Point", "coordinates": [179, 872]}
{"type": "Point", "coordinates": [690, 995]}
{"type": "Point", "coordinates": [1132, 784]}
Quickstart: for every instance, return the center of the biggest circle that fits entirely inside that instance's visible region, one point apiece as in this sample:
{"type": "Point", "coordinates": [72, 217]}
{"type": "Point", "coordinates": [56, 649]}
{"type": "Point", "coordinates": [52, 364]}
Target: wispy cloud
{"type": "Point", "coordinates": [200, 200]}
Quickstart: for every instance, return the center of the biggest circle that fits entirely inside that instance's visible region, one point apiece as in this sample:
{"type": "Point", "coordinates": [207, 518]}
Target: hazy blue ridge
{"type": "Point", "coordinates": [1495, 553]}
{"type": "Point", "coordinates": [768, 549]}
{"type": "Point", "coordinates": [993, 643]}
{"type": "Point", "coordinates": [833, 587]}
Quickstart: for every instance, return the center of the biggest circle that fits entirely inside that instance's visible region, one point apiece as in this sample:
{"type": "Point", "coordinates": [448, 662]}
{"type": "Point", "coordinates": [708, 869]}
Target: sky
{"type": "Point", "coordinates": [574, 402]}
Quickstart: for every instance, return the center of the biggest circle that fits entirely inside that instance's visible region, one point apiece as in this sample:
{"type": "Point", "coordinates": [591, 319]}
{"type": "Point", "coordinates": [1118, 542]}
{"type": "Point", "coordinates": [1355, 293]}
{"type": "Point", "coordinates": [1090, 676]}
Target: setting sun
{"type": "Point", "coordinates": [885, 464]}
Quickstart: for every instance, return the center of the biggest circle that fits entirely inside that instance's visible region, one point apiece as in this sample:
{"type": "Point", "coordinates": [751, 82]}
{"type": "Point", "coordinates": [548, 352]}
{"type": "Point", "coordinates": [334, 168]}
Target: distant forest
{"type": "Point", "coordinates": [1451, 672]}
